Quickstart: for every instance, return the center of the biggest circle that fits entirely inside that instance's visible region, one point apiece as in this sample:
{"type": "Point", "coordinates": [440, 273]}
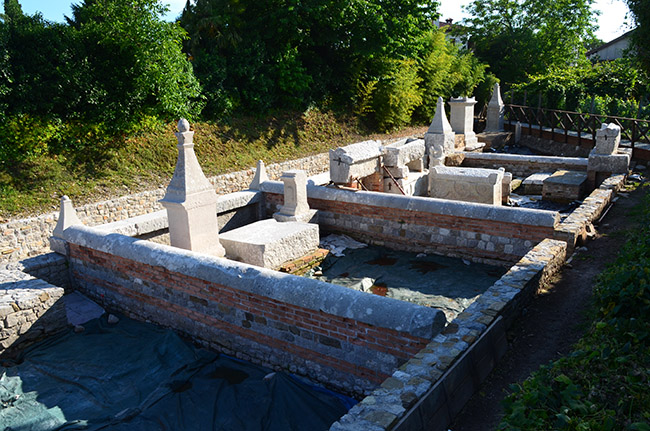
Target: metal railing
{"type": "Point", "coordinates": [562, 124]}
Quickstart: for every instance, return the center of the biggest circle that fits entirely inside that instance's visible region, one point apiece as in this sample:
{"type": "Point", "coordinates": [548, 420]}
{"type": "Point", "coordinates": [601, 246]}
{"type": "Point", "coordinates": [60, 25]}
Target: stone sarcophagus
{"type": "Point", "coordinates": [355, 161]}
{"type": "Point", "coordinates": [405, 153]}
{"type": "Point", "coordinates": [466, 184]}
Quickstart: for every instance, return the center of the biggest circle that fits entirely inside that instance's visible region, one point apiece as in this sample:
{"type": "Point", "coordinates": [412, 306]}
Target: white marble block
{"type": "Point", "coordinates": [269, 244]}
{"type": "Point", "coordinates": [191, 201]}
{"type": "Point", "coordinates": [295, 206]}
{"type": "Point", "coordinates": [355, 161]}
{"type": "Point", "coordinates": [466, 184]}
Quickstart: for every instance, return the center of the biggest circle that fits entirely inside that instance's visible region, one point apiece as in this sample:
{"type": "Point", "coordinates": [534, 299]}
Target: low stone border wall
{"type": "Point", "coordinates": [575, 228]}
{"type": "Point", "coordinates": [348, 340]}
{"type": "Point", "coordinates": [523, 166]}
{"type": "Point", "coordinates": [29, 309]}
{"type": "Point", "coordinates": [486, 233]}
{"type": "Point", "coordinates": [50, 267]}
{"type": "Point", "coordinates": [431, 388]}
{"type": "Point", "coordinates": [29, 237]}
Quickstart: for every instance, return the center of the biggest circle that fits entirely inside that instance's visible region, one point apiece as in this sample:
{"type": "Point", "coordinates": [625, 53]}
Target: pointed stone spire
{"type": "Point", "coordinates": [260, 176]}
{"type": "Point", "coordinates": [67, 217]}
{"type": "Point", "coordinates": [440, 124]}
{"type": "Point", "coordinates": [191, 201]}
{"type": "Point", "coordinates": [495, 111]}
{"type": "Point", "coordinates": [440, 138]}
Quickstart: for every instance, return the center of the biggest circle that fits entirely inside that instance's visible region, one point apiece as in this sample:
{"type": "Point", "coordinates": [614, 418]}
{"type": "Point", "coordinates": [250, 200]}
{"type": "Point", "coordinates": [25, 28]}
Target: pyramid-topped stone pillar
{"type": "Point", "coordinates": [191, 201]}
{"type": "Point", "coordinates": [439, 139]}
{"type": "Point", "coordinates": [495, 111]}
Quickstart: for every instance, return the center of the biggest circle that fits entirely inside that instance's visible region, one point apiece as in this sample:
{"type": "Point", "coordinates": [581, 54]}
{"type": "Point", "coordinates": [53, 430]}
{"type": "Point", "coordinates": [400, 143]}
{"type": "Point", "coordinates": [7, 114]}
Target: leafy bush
{"type": "Point", "coordinates": [603, 383]}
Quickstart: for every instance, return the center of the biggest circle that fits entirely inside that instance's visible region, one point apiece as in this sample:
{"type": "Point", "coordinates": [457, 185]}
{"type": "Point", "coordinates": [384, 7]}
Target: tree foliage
{"type": "Point", "coordinates": [112, 64]}
{"type": "Point", "coordinates": [613, 87]}
{"type": "Point", "coordinates": [518, 38]}
{"type": "Point", "coordinates": [252, 55]}
{"type": "Point", "coordinates": [641, 37]}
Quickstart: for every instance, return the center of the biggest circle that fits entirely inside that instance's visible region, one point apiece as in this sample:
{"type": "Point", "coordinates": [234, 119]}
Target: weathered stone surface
{"type": "Point", "coordinates": [495, 111]}
{"type": "Point", "coordinates": [191, 201]}
{"type": "Point", "coordinates": [295, 208]}
{"type": "Point", "coordinates": [466, 184]}
{"type": "Point", "coordinates": [462, 118]}
{"type": "Point", "coordinates": [269, 244]}
{"type": "Point", "coordinates": [564, 186]}
{"type": "Point", "coordinates": [403, 152]}
{"type": "Point", "coordinates": [440, 138]}
{"type": "Point", "coordinates": [260, 176]}
{"type": "Point", "coordinates": [613, 163]}
{"type": "Point", "coordinates": [532, 185]}
{"type": "Point", "coordinates": [608, 137]}
{"type": "Point", "coordinates": [355, 161]}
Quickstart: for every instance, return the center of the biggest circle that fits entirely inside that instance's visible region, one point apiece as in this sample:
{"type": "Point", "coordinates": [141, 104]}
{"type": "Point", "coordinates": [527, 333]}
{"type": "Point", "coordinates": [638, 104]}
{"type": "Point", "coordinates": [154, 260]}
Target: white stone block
{"type": "Point", "coordinates": [269, 244]}
{"type": "Point", "coordinates": [398, 172]}
{"type": "Point", "coordinates": [355, 161]}
{"type": "Point", "coordinates": [462, 115]}
{"type": "Point", "coordinates": [506, 187]}
{"type": "Point", "coordinates": [466, 184]}
{"type": "Point", "coordinates": [403, 152]}
{"type": "Point", "coordinates": [607, 139]}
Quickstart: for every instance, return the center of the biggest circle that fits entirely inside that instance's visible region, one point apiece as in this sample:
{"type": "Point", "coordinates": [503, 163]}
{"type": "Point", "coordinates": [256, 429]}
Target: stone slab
{"type": "Point", "coordinates": [414, 185]}
{"type": "Point", "coordinates": [403, 152]}
{"type": "Point", "coordinates": [269, 243]}
{"type": "Point", "coordinates": [613, 163]}
{"type": "Point", "coordinates": [79, 309]}
{"type": "Point", "coordinates": [564, 186]}
{"type": "Point", "coordinates": [466, 184]}
{"type": "Point", "coordinates": [533, 184]}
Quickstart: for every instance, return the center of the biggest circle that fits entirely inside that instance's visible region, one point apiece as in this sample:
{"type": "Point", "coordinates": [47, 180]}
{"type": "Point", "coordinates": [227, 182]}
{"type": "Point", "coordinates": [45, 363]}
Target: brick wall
{"type": "Point", "coordinates": [314, 329]}
{"type": "Point", "coordinates": [483, 232]}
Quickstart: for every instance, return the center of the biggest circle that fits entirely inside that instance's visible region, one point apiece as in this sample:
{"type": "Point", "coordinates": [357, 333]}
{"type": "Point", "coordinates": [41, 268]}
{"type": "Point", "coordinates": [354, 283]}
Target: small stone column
{"type": "Point", "coordinates": [462, 119]}
{"type": "Point", "coordinates": [67, 217]}
{"type": "Point", "coordinates": [191, 201]}
{"type": "Point", "coordinates": [295, 206]}
{"type": "Point", "coordinates": [439, 139]}
{"type": "Point", "coordinates": [495, 111]}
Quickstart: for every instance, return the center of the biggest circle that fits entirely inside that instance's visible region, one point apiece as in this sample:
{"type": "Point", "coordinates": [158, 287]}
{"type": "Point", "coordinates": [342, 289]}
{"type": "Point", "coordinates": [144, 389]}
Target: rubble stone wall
{"type": "Point", "coordinates": [29, 309]}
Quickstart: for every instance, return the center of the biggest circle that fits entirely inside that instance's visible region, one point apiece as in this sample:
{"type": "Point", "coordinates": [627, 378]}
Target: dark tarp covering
{"type": "Point", "coordinates": [135, 376]}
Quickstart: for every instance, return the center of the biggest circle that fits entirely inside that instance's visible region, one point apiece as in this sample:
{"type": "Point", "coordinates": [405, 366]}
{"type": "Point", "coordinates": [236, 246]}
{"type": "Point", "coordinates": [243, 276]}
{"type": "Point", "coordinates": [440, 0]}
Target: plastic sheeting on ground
{"type": "Point", "coordinates": [135, 376]}
{"type": "Point", "coordinates": [449, 284]}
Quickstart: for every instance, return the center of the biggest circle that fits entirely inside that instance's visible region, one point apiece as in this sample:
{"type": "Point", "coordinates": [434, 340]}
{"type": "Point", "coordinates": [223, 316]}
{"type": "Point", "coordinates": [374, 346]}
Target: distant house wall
{"type": "Point", "coordinates": [611, 50]}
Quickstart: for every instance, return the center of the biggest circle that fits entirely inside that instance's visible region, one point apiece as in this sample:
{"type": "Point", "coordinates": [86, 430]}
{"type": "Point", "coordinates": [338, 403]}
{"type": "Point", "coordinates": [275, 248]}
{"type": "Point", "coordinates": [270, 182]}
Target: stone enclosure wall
{"type": "Point", "coordinates": [29, 237]}
{"type": "Point", "coordinates": [523, 166]}
{"type": "Point", "coordinates": [29, 309]}
{"type": "Point", "coordinates": [458, 229]}
{"type": "Point", "coordinates": [348, 340]}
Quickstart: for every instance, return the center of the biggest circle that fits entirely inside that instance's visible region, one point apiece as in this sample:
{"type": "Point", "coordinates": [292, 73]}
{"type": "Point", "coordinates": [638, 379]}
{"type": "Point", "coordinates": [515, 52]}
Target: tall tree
{"type": "Point", "coordinates": [133, 60]}
{"type": "Point", "coordinates": [253, 55]}
{"type": "Point", "coordinates": [641, 37]}
{"type": "Point", "coordinates": [518, 38]}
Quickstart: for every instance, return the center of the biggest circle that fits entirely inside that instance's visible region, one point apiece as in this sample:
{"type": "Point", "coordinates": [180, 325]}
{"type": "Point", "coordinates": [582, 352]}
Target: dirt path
{"type": "Point", "coordinates": [553, 321]}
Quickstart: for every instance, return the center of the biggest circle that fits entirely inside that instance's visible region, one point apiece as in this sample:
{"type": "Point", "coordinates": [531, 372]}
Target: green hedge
{"type": "Point", "coordinates": [604, 384]}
